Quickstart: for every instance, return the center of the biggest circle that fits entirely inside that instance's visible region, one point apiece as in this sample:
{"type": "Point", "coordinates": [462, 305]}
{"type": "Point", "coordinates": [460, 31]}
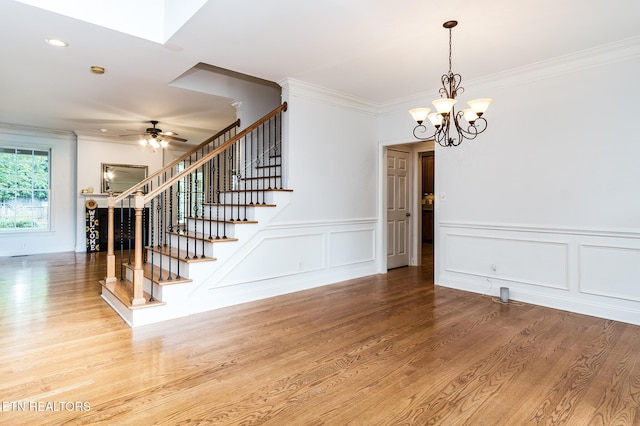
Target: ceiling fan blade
{"type": "Point", "coordinates": [132, 134]}
{"type": "Point", "coordinates": [173, 138]}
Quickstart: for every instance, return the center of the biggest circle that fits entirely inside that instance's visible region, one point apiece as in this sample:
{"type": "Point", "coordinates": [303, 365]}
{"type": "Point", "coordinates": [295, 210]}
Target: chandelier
{"type": "Point", "coordinates": [451, 126]}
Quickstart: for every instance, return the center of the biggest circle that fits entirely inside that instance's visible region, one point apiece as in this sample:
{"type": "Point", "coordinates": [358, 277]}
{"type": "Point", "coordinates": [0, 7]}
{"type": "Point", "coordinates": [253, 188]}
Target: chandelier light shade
{"type": "Point", "coordinates": [451, 126]}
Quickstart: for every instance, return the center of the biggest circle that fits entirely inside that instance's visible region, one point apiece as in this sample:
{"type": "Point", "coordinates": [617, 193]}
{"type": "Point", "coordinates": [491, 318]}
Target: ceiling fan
{"type": "Point", "coordinates": [156, 137]}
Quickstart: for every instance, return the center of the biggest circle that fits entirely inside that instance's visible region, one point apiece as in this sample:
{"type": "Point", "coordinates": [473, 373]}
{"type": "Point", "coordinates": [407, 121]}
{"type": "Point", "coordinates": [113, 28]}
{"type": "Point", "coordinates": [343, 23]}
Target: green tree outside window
{"type": "Point", "coordinates": [24, 189]}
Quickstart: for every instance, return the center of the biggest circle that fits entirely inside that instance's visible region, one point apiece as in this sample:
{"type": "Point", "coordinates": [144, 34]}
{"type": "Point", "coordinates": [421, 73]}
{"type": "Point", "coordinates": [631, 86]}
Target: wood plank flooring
{"type": "Point", "coordinates": [388, 349]}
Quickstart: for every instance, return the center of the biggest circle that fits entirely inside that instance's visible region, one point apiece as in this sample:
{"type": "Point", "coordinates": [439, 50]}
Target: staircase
{"type": "Point", "coordinates": [203, 210]}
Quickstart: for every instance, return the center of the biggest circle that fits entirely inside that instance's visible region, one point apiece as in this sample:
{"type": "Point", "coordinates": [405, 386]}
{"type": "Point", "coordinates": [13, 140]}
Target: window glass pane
{"type": "Point", "coordinates": [7, 168]}
{"type": "Point", "coordinates": [41, 170]}
{"type": "Point", "coordinates": [7, 209]}
{"type": "Point", "coordinates": [24, 189]}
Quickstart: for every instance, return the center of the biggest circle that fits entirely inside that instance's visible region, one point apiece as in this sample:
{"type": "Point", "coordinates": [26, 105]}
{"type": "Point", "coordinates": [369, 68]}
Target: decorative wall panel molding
{"type": "Point", "coordinates": [541, 263]}
{"type": "Point", "coordinates": [592, 272]}
{"type": "Point", "coordinates": [610, 271]}
{"type": "Point", "coordinates": [350, 247]}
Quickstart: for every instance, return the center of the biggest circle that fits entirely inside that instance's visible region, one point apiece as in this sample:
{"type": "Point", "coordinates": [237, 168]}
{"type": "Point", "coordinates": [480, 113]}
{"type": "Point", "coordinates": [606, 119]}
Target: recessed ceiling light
{"type": "Point", "coordinates": [97, 70]}
{"type": "Point", "coordinates": [57, 43]}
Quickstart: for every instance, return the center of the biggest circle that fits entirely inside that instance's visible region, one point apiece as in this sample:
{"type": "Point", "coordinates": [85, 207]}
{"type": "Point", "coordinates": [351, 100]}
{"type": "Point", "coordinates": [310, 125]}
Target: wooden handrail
{"type": "Point", "coordinates": [214, 153]}
{"type": "Point", "coordinates": [131, 190]}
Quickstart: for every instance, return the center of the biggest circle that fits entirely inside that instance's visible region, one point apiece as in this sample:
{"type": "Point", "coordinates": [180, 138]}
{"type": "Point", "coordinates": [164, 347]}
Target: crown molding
{"type": "Point", "coordinates": [297, 88]}
{"type": "Point", "coordinates": [38, 132]}
{"type": "Point", "coordinates": [607, 54]}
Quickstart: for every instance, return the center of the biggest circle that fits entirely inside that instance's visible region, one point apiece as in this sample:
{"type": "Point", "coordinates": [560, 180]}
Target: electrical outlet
{"type": "Point", "coordinates": [494, 268]}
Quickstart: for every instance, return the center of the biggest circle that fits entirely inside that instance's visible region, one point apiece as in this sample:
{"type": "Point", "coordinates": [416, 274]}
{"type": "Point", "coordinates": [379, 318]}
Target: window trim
{"type": "Point", "coordinates": [49, 151]}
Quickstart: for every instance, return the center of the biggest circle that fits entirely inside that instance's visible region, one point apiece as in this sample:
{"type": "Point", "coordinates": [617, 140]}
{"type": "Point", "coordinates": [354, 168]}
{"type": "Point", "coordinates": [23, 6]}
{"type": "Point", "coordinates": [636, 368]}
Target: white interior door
{"type": "Point", "coordinates": [398, 213]}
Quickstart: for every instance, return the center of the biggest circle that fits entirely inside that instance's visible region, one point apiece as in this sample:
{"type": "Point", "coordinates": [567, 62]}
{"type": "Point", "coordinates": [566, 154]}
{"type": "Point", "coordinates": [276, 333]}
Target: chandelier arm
{"type": "Point", "coordinates": [473, 130]}
{"type": "Point", "coordinates": [423, 130]}
{"type": "Point", "coordinates": [441, 138]}
{"type": "Point", "coordinates": [442, 134]}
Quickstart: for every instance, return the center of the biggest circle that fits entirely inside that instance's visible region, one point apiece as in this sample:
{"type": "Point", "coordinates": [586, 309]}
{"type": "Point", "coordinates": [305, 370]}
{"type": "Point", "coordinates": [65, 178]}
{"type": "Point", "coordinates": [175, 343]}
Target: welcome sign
{"type": "Point", "coordinates": [92, 227]}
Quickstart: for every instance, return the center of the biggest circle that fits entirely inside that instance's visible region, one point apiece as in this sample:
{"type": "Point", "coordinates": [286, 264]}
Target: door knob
{"type": "Point", "coordinates": [407, 214]}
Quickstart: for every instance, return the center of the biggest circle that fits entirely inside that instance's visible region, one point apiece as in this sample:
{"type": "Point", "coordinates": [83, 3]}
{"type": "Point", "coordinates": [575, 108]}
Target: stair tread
{"type": "Point", "coordinates": [238, 205]}
{"type": "Point", "coordinates": [200, 236]}
{"type": "Point", "coordinates": [122, 290]}
{"type": "Point", "coordinates": [156, 273]}
{"type": "Point", "coordinates": [262, 177]}
{"type": "Point", "coordinates": [258, 190]}
{"type": "Point", "coordinates": [180, 255]}
{"type": "Point", "coordinates": [229, 221]}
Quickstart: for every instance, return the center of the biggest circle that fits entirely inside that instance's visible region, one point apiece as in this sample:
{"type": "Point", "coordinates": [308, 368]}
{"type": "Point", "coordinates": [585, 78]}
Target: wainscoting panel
{"type": "Point", "coordinates": [593, 272]}
{"type": "Point", "coordinates": [610, 271]}
{"type": "Point", "coordinates": [278, 256]}
{"type": "Point", "coordinates": [351, 246]}
{"type": "Point", "coordinates": [542, 263]}
{"type": "Point", "coordinates": [317, 251]}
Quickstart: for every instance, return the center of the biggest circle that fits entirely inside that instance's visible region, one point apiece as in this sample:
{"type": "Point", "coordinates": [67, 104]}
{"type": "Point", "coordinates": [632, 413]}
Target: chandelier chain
{"type": "Point", "coordinates": [450, 44]}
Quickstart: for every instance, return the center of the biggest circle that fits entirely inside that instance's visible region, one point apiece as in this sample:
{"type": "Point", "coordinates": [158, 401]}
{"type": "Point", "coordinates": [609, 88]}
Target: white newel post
{"type": "Point", "coordinates": [138, 272]}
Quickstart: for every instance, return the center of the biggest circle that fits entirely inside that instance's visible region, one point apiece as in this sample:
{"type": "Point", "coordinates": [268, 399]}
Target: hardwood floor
{"type": "Point", "coordinates": [382, 350]}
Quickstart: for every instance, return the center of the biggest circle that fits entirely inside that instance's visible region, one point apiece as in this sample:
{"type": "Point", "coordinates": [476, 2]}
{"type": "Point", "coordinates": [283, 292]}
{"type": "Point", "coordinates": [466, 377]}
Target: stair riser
{"type": "Point", "coordinates": [271, 170]}
{"type": "Point", "coordinates": [255, 197]}
{"type": "Point", "coordinates": [211, 249]}
{"type": "Point", "coordinates": [170, 263]}
{"type": "Point", "coordinates": [229, 212]}
{"type": "Point", "coordinates": [157, 290]}
{"type": "Point", "coordinates": [217, 229]}
{"type": "Point", "coordinates": [187, 244]}
{"type": "Point", "coordinates": [261, 185]}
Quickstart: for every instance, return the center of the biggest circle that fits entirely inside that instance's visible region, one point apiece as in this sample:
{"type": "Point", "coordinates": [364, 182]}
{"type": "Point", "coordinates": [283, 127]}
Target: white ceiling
{"type": "Point", "coordinates": [378, 50]}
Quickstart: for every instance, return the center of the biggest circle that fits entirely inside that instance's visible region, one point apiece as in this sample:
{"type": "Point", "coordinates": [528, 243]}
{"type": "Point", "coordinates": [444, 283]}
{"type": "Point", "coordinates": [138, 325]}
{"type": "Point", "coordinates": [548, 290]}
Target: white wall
{"type": "Point", "coordinates": [546, 201]}
{"type": "Point", "coordinates": [255, 97]}
{"type": "Point", "coordinates": [61, 236]}
{"type": "Point", "coordinates": [330, 154]}
{"type": "Point", "coordinates": [327, 230]}
{"type": "Point", "coordinates": [92, 152]}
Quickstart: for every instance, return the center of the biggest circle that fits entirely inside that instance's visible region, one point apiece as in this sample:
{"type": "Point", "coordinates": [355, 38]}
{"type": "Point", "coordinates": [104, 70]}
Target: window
{"type": "Point", "coordinates": [24, 189]}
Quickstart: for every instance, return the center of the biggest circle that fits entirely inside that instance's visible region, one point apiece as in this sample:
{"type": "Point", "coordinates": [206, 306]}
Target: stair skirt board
{"type": "Point", "coordinates": [212, 284]}
{"type": "Point", "coordinates": [181, 305]}
{"type": "Point", "coordinates": [174, 299]}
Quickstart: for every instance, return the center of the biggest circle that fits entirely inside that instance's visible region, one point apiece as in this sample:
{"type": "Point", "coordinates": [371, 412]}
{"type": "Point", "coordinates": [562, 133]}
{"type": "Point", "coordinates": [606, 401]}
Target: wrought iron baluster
{"type": "Point", "coordinates": [252, 164]}
{"type": "Point", "coordinates": [128, 231]}
{"type": "Point", "coordinates": [151, 243]}
{"type": "Point", "coordinates": [194, 200]}
{"type": "Point", "coordinates": [121, 240]}
{"type": "Point", "coordinates": [160, 208]}
{"type": "Point", "coordinates": [245, 181]}
{"type": "Point", "coordinates": [210, 194]}
{"type": "Point", "coordinates": [269, 154]}
{"type": "Point", "coordinates": [186, 209]}
{"type": "Point", "coordinates": [202, 201]}
{"type": "Point", "coordinates": [178, 224]}
{"type": "Point", "coordinates": [224, 189]}
{"type": "Point", "coordinates": [217, 175]}
{"type": "Point", "coordinates": [170, 235]}
{"type": "Point", "coordinates": [262, 154]}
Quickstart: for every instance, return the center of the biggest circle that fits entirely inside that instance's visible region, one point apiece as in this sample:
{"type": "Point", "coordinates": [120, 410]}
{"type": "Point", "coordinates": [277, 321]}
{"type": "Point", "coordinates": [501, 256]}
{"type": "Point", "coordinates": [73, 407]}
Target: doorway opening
{"type": "Point", "coordinates": [417, 215]}
{"type": "Point", "coordinates": [427, 205]}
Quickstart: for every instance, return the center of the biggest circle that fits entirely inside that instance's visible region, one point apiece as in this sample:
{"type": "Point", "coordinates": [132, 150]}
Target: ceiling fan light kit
{"type": "Point", "coordinates": [155, 138]}
{"type": "Point", "coordinates": [446, 120]}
